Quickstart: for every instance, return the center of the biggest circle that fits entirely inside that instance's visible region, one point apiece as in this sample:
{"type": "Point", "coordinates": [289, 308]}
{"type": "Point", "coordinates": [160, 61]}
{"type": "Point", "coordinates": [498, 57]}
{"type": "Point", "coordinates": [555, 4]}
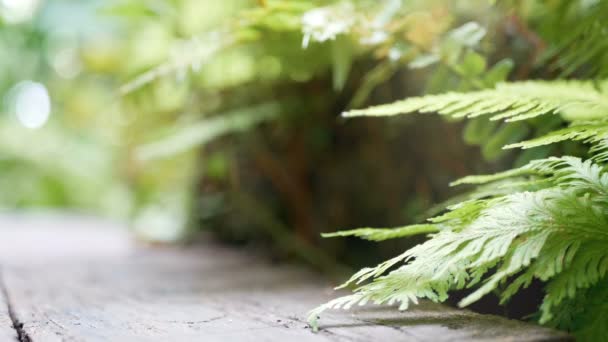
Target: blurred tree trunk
{"type": "Point", "coordinates": [316, 172]}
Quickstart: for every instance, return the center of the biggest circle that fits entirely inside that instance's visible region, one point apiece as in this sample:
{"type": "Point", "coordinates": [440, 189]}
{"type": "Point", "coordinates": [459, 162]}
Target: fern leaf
{"type": "Point", "coordinates": [584, 48]}
{"type": "Point", "coordinates": [482, 179]}
{"type": "Point", "coordinates": [507, 101]}
{"type": "Point", "coordinates": [599, 151]}
{"type": "Point", "coordinates": [381, 234]}
{"type": "Point", "coordinates": [589, 132]}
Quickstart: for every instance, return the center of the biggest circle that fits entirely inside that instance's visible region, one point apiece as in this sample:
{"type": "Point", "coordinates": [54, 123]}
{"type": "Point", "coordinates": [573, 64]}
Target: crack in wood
{"type": "Point", "coordinates": [22, 335]}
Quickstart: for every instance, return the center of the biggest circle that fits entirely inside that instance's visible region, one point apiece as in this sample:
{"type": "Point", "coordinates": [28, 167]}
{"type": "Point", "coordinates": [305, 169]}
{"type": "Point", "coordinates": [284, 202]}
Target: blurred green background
{"type": "Point", "coordinates": [61, 123]}
{"type": "Point", "coordinates": [72, 138]}
{"type": "Point", "coordinates": [182, 115]}
{"type": "Point", "coordinates": [68, 136]}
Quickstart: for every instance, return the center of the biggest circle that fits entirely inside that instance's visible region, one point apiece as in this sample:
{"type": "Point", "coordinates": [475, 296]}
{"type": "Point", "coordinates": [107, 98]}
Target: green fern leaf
{"type": "Point", "coordinates": [575, 100]}
{"type": "Point", "coordinates": [381, 234]}
{"type": "Point", "coordinates": [589, 132]}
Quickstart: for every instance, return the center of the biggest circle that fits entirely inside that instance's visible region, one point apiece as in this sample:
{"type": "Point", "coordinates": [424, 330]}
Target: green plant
{"type": "Point", "coordinates": [542, 220]}
{"type": "Point", "coordinates": [292, 51]}
{"type": "Point", "coordinates": [546, 220]}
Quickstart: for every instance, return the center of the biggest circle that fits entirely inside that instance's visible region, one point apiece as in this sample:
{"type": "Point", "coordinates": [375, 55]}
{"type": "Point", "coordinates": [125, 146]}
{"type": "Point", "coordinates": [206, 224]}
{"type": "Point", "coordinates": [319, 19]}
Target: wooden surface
{"type": "Point", "coordinates": [81, 279]}
{"type": "Point", "coordinates": [7, 332]}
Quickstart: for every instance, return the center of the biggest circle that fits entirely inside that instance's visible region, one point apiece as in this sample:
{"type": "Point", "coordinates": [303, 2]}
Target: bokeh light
{"type": "Point", "coordinates": [16, 11]}
{"type": "Point", "coordinates": [31, 104]}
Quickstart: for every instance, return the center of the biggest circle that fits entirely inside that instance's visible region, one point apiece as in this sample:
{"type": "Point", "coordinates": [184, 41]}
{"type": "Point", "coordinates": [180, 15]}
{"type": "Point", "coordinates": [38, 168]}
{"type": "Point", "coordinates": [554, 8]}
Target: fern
{"type": "Point", "coordinates": [583, 49]}
{"type": "Point", "coordinates": [576, 100]}
{"type": "Point", "coordinates": [381, 234]}
{"type": "Point", "coordinates": [557, 234]}
{"type": "Point", "coordinates": [583, 103]}
{"type": "Point", "coordinates": [195, 52]}
{"type": "Point", "coordinates": [545, 220]}
{"type": "Point", "coordinates": [187, 54]}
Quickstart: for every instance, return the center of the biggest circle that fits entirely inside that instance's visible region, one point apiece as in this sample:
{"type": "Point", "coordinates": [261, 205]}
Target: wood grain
{"type": "Point", "coordinates": [77, 283]}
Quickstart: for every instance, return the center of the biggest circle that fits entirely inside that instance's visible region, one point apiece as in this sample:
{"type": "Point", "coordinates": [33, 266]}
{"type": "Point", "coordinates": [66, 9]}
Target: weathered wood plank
{"type": "Point", "coordinates": [74, 283]}
{"type": "Point", "coordinates": [7, 332]}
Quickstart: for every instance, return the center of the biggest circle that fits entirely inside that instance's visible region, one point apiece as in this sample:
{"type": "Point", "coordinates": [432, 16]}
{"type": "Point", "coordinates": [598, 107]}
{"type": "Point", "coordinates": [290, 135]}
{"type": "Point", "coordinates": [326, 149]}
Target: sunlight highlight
{"type": "Point", "coordinates": [31, 104]}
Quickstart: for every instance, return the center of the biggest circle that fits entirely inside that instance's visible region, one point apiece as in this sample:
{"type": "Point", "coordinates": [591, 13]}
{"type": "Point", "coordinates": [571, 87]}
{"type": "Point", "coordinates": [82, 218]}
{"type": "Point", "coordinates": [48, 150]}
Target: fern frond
{"type": "Point", "coordinates": [567, 172]}
{"type": "Point", "coordinates": [583, 49]}
{"type": "Point", "coordinates": [186, 55]}
{"type": "Point", "coordinates": [557, 234]}
{"type": "Point", "coordinates": [585, 313]}
{"type": "Point", "coordinates": [483, 179]}
{"type": "Point", "coordinates": [592, 131]}
{"type": "Point", "coordinates": [195, 52]}
{"type": "Point", "coordinates": [507, 101]}
{"type": "Point", "coordinates": [599, 151]}
{"type": "Point", "coordinates": [381, 234]}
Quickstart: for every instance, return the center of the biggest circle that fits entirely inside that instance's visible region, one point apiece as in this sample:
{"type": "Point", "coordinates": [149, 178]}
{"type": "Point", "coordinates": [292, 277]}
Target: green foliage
{"type": "Point", "coordinates": [556, 231]}
{"type": "Point", "coordinates": [575, 100]}
{"type": "Point", "coordinates": [583, 48]}
{"type": "Point", "coordinates": [195, 80]}
{"type": "Point", "coordinates": [545, 220]}
{"type": "Point", "coordinates": [185, 137]}
{"type": "Point", "coordinates": [381, 234]}
{"type": "Point", "coordinates": [582, 103]}
{"type": "Point", "coordinates": [65, 159]}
